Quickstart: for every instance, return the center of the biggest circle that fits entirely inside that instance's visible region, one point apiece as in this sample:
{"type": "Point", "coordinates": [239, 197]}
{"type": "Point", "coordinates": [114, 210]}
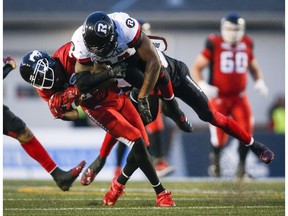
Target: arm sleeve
{"type": "Point", "coordinates": [86, 81]}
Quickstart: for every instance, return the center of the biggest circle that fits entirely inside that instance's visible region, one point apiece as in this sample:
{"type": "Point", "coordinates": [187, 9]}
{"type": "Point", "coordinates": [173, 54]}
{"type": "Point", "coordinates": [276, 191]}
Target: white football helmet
{"type": "Point", "coordinates": [232, 28]}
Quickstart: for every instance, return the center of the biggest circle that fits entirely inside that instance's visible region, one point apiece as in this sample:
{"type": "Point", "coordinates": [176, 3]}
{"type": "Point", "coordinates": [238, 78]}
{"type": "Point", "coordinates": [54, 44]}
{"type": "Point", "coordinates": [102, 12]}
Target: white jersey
{"type": "Point", "coordinates": [128, 31]}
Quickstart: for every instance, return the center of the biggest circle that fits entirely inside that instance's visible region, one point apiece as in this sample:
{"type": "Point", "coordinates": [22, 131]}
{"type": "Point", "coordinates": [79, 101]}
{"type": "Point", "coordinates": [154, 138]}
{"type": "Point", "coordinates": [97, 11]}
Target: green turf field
{"type": "Point", "coordinates": [192, 197]}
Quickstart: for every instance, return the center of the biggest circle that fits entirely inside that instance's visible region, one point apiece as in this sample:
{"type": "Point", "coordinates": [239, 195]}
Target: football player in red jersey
{"type": "Point", "coordinates": [103, 102]}
{"type": "Point", "coordinates": [15, 127]}
{"type": "Point", "coordinates": [230, 58]}
{"type": "Point", "coordinates": [115, 40]}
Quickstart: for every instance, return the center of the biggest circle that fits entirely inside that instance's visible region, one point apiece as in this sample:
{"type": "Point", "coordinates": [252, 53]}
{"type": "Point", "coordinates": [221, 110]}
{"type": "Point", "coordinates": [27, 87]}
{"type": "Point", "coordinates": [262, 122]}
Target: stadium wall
{"type": "Point", "coordinates": [189, 154]}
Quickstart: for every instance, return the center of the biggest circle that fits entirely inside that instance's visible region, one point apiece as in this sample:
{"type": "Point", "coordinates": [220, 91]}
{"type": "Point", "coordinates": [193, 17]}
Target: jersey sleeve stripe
{"type": "Point", "coordinates": [131, 44]}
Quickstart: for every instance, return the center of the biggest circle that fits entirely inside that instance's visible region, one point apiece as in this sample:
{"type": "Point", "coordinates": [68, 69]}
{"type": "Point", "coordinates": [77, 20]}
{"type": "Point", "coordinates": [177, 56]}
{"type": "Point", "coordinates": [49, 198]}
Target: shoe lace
{"type": "Point", "coordinates": [117, 191]}
{"type": "Point", "coordinates": [165, 196]}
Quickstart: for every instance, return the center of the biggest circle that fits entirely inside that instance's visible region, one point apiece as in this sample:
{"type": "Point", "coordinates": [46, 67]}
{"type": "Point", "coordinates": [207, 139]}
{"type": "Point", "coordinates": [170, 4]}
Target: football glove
{"type": "Point", "coordinates": [261, 87]}
{"type": "Point", "coordinates": [61, 102]}
{"type": "Point", "coordinates": [69, 97]}
{"type": "Point", "coordinates": [210, 90]}
{"type": "Point", "coordinates": [144, 110]}
{"type": "Point", "coordinates": [54, 104]}
{"type": "Point", "coordinates": [118, 71]}
{"type": "Point", "coordinates": [10, 61]}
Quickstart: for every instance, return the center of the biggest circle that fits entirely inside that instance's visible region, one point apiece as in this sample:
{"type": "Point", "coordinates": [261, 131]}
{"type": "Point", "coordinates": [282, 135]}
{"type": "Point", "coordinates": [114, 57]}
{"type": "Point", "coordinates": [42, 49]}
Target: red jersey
{"type": "Point", "coordinates": [229, 64]}
{"type": "Point", "coordinates": [66, 73]}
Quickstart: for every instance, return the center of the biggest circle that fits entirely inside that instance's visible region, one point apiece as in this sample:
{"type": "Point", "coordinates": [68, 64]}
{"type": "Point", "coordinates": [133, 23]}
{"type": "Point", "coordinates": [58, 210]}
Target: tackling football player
{"type": "Point", "coordinates": [15, 127]}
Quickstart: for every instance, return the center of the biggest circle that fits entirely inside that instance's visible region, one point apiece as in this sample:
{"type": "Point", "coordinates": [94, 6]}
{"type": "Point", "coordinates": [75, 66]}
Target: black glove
{"type": "Point", "coordinates": [144, 110]}
{"type": "Point", "coordinates": [118, 71]}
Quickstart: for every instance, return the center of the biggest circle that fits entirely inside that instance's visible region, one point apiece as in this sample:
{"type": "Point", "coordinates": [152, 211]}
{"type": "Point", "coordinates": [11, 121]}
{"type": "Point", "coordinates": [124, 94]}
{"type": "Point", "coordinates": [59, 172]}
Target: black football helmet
{"type": "Point", "coordinates": [232, 28]}
{"type": "Point", "coordinates": [99, 34]}
{"type": "Point", "coordinates": [37, 68]}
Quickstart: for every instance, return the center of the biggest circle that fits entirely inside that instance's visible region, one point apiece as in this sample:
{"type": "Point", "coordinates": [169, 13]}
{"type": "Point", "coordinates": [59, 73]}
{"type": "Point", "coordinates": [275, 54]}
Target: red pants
{"type": "Point", "coordinates": [239, 109]}
{"type": "Point", "coordinates": [117, 115]}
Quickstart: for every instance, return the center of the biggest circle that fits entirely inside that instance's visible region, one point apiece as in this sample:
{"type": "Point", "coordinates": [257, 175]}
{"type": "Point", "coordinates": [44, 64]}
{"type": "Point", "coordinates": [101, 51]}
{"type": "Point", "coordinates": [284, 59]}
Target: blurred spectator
{"type": "Point", "coordinates": [277, 115]}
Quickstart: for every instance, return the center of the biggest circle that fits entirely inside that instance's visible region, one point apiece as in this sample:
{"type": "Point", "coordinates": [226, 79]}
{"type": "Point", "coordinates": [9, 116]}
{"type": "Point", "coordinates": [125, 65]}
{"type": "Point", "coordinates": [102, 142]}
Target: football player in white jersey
{"type": "Point", "coordinates": [97, 45]}
{"type": "Point", "coordinates": [116, 38]}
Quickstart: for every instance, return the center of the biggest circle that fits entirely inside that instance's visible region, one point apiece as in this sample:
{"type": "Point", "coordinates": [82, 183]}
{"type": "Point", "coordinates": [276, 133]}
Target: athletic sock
{"type": "Point", "coordinates": [141, 156]}
{"type": "Point", "coordinates": [98, 164]}
{"type": "Point", "coordinates": [231, 127]}
{"type": "Point", "coordinates": [36, 151]}
{"type": "Point", "coordinates": [158, 188]}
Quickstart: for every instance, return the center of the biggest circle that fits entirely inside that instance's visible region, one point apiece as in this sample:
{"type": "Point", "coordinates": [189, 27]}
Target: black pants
{"type": "Point", "coordinates": [12, 124]}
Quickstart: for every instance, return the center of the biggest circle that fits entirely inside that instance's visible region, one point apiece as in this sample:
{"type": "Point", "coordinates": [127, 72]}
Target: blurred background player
{"type": "Point", "coordinates": [15, 127]}
{"type": "Point", "coordinates": [155, 132]}
{"type": "Point", "coordinates": [230, 57]}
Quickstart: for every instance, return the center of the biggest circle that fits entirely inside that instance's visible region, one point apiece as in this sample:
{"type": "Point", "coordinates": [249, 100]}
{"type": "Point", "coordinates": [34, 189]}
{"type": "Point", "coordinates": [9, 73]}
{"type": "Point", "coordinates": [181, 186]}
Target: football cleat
{"type": "Point", "coordinates": [263, 152]}
{"type": "Point", "coordinates": [116, 190]}
{"type": "Point", "coordinates": [184, 124]}
{"type": "Point", "coordinates": [164, 199]}
{"type": "Point", "coordinates": [242, 175]}
{"type": "Point", "coordinates": [64, 180]}
{"type": "Point", "coordinates": [88, 177]}
{"type": "Point", "coordinates": [162, 168]}
{"type": "Point", "coordinates": [171, 109]}
{"type": "Point", "coordinates": [214, 169]}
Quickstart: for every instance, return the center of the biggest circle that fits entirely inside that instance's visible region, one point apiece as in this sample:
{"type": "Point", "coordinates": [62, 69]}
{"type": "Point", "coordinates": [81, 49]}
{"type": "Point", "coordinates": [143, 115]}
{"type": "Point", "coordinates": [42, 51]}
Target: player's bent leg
{"type": "Point", "coordinates": [233, 128]}
{"type": "Point", "coordinates": [64, 179]}
{"type": "Point", "coordinates": [96, 166]}
{"type": "Point", "coordinates": [171, 109]}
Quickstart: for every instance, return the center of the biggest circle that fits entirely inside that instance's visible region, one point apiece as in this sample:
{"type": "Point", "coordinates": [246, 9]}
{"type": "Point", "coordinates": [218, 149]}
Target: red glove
{"type": "Point", "coordinates": [9, 60]}
{"type": "Point", "coordinates": [62, 102]}
{"type": "Point", "coordinates": [70, 98]}
{"type": "Point", "coordinates": [55, 103]}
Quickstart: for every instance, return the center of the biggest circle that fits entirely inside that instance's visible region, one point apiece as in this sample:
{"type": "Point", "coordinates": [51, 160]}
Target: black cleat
{"type": "Point", "coordinates": [184, 124]}
{"type": "Point", "coordinates": [88, 176]}
{"type": "Point", "coordinates": [171, 109]}
{"type": "Point", "coordinates": [263, 152]}
{"type": "Point", "coordinates": [65, 179]}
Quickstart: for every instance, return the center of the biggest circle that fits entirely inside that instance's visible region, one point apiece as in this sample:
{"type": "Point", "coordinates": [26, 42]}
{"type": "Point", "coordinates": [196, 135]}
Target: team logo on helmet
{"type": "Point", "coordinates": [130, 23]}
{"type": "Point", "coordinates": [35, 55]}
{"type": "Point", "coordinates": [102, 29]}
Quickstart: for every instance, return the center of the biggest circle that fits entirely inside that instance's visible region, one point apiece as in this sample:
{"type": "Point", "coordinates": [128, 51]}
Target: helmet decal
{"type": "Point", "coordinates": [99, 34]}
{"type": "Point", "coordinates": [130, 23]}
{"type": "Point", "coordinates": [34, 54]}
{"type": "Point", "coordinates": [101, 29]}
